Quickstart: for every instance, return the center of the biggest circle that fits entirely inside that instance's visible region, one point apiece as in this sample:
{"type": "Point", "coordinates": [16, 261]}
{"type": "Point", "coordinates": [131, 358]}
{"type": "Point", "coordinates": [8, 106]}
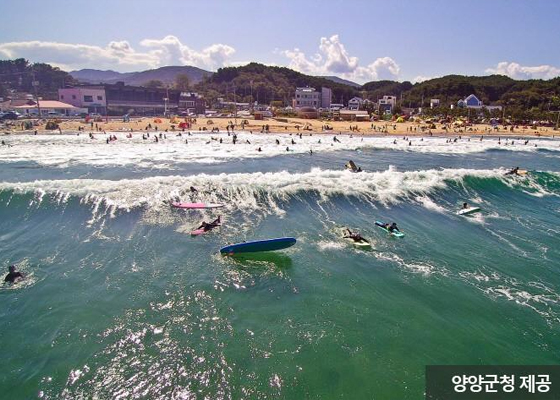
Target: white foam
{"type": "Point", "coordinates": [248, 190]}
{"type": "Point", "coordinates": [67, 150]}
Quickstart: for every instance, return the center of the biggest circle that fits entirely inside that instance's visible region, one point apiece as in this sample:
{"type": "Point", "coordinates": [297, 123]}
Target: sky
{"type": "Point", "coordinates": [359, 40]}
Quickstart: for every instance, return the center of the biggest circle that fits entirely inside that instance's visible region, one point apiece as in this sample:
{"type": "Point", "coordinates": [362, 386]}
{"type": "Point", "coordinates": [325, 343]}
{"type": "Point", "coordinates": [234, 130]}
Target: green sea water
{"type": "Point", "coordinates": [121, 302]}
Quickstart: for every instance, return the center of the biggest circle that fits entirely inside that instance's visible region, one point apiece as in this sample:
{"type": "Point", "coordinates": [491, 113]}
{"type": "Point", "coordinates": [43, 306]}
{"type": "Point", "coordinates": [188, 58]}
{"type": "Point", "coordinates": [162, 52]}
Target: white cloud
{"type": "Point", "coordinates": [517, 71]}
{"type": "Point", "coordinates": [119, 55]}
{"type": "Point", "coordinates": [171, 51]}
{"type": "Point", "coordinates": [333, 58]}
{"type": "Point", "coordinates": [421, 78]}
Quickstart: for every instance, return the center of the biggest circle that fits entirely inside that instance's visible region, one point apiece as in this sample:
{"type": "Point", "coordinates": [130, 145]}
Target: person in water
{"type": "Point", "coordinates": [465, 206]}
{"type": "Point", "coordinates": [391, 227]}
{"type": "Point", "coordinates": [209, 226]}
{"type": "Point", "coordinates": [514, 171]}
{"type": "Point", "coordinates": [13, 275]}
{"type": "Point", "coordinates": [354, 236]}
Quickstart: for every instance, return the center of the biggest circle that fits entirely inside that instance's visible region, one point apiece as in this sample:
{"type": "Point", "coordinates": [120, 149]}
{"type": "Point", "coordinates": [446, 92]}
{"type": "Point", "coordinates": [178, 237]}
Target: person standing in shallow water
{"type": "Point", "coordinates": [13, 275]}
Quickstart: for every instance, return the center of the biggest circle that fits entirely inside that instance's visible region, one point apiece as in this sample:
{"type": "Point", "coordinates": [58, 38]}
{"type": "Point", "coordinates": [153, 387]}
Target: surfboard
{"type": "Point", "coordinates": [521, 172]}
{"type": "Point", "coordinates": [194, 206]}
{"type": "Point", "coordinates": [395, 234]}
{"type": "Point", "coordinates": [259, 245]}
{"type": "Point", "coordinates": [361, 244]}
{"type": "Point", "coordinates": [351, 166]}
{"type": "Point", "coordinates": [198, 232]}
{"type": "Point", "coordinates": [467, 211]}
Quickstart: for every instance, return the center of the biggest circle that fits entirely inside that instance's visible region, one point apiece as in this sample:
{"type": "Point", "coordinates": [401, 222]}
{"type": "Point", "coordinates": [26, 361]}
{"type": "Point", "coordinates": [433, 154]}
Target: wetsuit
{"type": "Point", "coordinates": [12, 276]}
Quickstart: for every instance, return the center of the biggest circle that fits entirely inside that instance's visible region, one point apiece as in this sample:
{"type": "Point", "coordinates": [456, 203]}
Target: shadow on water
{"type": "Point", "coordinates": [264, 259]}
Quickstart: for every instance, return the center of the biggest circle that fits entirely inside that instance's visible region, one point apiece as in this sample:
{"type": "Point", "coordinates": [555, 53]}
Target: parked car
{"type": "Point", "coordinates": [10, 115]}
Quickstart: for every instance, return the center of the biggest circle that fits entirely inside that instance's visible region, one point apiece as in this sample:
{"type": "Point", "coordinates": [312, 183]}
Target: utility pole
{"type": "Point", "coordinates": [235, 103]}
{"type": "Point", "coordinates": [35, 84]}
{"type": "Point", "coordinates": [252, 101]}
{"type": "Point", "coordinates": [166, 99]}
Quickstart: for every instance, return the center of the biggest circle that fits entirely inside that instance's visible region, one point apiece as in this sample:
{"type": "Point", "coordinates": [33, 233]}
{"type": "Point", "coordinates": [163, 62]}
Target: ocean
{"type": "Point", "coordinates": [121, 302]}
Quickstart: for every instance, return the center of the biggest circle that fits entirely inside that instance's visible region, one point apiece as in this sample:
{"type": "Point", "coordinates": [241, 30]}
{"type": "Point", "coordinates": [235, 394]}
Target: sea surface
{"type": "Point", "coordinates": [121, 302]}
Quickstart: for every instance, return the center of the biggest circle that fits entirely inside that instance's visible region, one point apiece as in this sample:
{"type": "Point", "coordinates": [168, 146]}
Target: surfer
{"type": "Point", "coordinates": [465, 206]}
{"type": "Point", "coordinates": [193, 189]}
{"type": "Point", "coordinates": [352, 166]}
{"type": "Point", "coordinates": [209, 226]}
{"type": "Point", "coordinates": [13, 274]}
{"type": "Point", "coordinates": [391, 227]}
{"type": "Point", "coordinates": [514, 171]}
{"type": "Point", "coordinates": [355, 236]}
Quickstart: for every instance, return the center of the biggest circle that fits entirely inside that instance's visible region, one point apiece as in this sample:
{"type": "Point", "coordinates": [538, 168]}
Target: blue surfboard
{"type": "Point", "coordinates": [259, 245]}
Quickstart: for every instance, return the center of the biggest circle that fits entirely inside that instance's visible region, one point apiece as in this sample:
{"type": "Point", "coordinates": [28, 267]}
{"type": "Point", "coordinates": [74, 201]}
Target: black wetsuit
{"type": "Point", "coordinates": [12, 276]}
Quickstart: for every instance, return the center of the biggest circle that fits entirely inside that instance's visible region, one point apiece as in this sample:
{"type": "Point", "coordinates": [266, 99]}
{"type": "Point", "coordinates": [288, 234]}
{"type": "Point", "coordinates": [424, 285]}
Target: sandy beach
{"type": "Point", "coordinates": [287, 125]}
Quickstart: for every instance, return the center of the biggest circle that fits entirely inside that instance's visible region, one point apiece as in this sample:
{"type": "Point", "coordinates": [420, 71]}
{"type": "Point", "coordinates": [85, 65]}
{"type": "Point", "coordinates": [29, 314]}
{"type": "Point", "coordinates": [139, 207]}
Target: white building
{"type": "Point", "coordinates": [434, 103]}
{"type": "Point", "coordinates": [355, 103]}
{"type": "Point", "coordinates": [336, 106]}
{"type": "Point", "coordinates": [475, 103]}
{"type": "Point", "coordinates": [387, 103]}
{"type": "Point", "coordinates": [307, 97]}
{"type": "Point", "coordinates": [50, 108]}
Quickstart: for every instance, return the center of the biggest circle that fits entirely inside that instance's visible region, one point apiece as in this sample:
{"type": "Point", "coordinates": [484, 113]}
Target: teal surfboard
{"type": "Point", "coordinates": [395, 234]}
{"type": "Point", "coordinates": [259, 245]}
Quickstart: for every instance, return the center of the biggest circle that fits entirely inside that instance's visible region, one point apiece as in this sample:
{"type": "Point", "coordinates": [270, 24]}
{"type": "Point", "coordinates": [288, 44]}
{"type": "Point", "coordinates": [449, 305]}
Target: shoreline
{"type": "Point", "coordinates": [287, 126]}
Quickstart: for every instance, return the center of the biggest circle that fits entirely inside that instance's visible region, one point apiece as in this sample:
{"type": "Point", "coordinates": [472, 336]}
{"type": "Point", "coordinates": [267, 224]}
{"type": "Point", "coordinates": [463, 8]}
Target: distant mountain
{"type": "Point", "coordinates": [336, 79]}
{"type": "Point", "coordinates": [165, 74]}
{"type": "Point", "coordinates": [97, 76]}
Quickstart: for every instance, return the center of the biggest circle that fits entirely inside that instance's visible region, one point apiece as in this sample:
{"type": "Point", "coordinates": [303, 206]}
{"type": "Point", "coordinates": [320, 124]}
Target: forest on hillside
{"type": "Point", "coordinates": [529, 99]}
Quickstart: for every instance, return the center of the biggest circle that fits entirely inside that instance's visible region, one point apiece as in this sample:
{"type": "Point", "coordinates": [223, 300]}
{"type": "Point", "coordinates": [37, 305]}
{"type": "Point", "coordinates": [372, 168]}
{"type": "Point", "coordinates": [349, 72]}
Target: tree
{"type": "Point", "coordinates": [182, 82]}
{"type": "Point", "coordinates": [153, 83]}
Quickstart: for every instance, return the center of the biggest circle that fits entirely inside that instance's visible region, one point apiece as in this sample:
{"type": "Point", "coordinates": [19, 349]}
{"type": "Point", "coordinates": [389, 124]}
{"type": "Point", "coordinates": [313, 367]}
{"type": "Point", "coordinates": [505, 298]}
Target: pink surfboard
{"type": "Point", "coordinates": [196, 205]}
{"type": "Point", "coordinates": [198, 232]}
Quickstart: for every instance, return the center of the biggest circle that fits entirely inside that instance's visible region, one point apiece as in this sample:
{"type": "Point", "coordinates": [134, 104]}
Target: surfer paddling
{"type": "Point", "coordinates": [208, 226]}
{"type": "Point", "coordinates": [355, 236]}
{"type": "Point", "coordinates": [13, 275]}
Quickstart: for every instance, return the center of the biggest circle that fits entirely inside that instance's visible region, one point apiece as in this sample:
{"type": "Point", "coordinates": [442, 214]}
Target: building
{"type": "Point", "coordinates": [124, 99]}
{"type": "Point", "coordinates": [221, 104]}
{"type": "Point", "coordinates": [355, 103]}
{"type": "Point", "coordinates": [336, 106]}
{"type": "Point", "coordinates": [49, 108]}
{"type": "Point", "coordinates": [474, 102]}
{"type": "Point", "coordinates": [309, 97]}
{"type": "Point", "coordinates": [90, 97]}
{"type": "Point", "coordinates": [434, 103]}
{"type": "Point", "coordinates": [306, 97]}
{"type": "Point", "coordinates": [119, 99]}
{"type": "Point", "coordinates": [191, 103]}
{"type": "Point", "coordinates": [326, 97]}
{"type": "Point", "coordinates": [354, 115]}
{"type": "Point", "coordinates": [387, 104]}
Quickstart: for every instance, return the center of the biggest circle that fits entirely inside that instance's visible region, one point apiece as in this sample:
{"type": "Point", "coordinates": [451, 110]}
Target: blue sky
{"type": "Point", "coordinates": [359, 40]}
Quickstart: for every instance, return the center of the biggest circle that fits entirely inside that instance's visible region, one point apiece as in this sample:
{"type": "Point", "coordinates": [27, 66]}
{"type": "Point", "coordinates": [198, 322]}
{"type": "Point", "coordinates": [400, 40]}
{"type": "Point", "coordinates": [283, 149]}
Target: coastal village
{"type": "Point", "coordinates": [121, 107]}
